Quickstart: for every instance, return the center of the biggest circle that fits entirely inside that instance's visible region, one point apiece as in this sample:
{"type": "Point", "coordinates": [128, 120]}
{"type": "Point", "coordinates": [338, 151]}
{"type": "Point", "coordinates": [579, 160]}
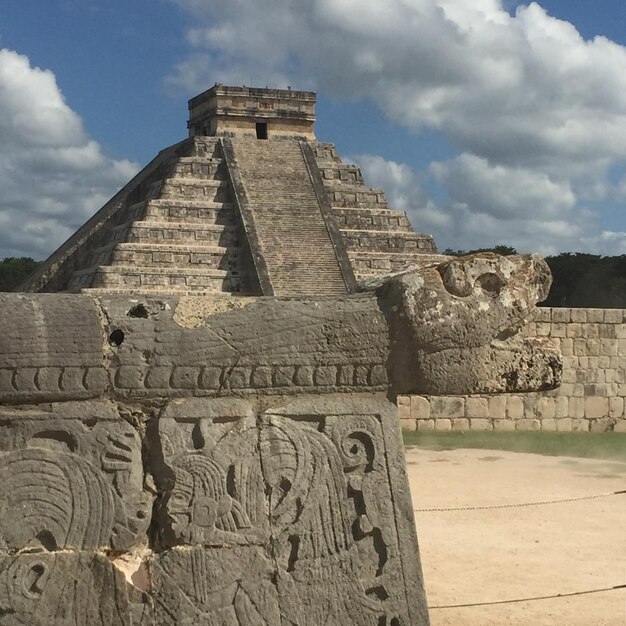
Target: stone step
{"type": "Point", "coordinates": [372, 219]}
{"type": "Point", "coordinates": [373, 263]}
{"type": "Point", "coordinates": [388, 241]}
{"type": "Point", "coordinates": [211, 190]}
{"type": "Point", "coordinates": [190, 212]}
{"type": "Point", "coordinates": [326, 152]}
{"type": "Point", "coordinates": [356, 196]}
{"type": "Point", "coordinates": [181, 256]}
{"type": "Point", "coordinates": [131, 277]}
{"type": "Point", "coordinates": [181, 232]}
{"type": "Point", "coordinates": [341, 173]}
{"type": "Point", "coordinates": [290, 227]}
{"type": "Point", "coordinates": [205, 147]}
{"type": "Point", "coordinates": [199, 168]}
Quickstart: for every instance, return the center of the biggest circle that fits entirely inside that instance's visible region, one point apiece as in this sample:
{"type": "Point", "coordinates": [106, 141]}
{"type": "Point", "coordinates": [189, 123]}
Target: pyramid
{"type": "Point", "coordinates": [249, 204]}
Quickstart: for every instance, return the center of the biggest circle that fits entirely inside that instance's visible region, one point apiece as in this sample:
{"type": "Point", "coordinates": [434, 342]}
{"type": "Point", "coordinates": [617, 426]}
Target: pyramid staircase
{"type": "Point", "coordinates": [175, 232]}
{"type": "Point", "coordinates": [214, 215]}
{"type": "Point", "coordinates": [293, 235]}
{"type": "Point", "coordinates": [378, 239]}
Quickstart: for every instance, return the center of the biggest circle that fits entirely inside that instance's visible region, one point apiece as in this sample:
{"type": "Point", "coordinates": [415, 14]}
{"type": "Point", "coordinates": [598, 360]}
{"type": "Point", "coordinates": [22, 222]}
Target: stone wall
{"type": "Point", "coordinates": [591, 398]}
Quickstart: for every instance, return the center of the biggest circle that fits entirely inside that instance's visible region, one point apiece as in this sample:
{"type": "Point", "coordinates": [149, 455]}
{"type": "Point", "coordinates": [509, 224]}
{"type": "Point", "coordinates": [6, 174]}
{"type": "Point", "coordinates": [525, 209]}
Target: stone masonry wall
{"type": "Point", "coordinates": [591, 398]}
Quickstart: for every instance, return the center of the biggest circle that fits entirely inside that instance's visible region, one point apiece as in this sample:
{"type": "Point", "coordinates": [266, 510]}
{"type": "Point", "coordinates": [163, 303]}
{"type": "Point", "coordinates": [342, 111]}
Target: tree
{"type": "Point", "coordinates": [14, 270]}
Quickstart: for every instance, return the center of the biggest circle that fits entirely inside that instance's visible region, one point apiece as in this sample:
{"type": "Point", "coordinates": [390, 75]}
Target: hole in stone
{"type": "Point", "coordinates": [139, 310]}
{"type": "Point", "coordinates": [141, 514]}
{"type": "Point", "coordinates": [379, 592]}
{"type": "Point", "coordinates": [116, 337]}
{"type": "Point", "coordinates": [491, 283]}
{"type": "Point", "coordinates": [47, 541]}
{"type": "Point", "coordinates": [58, 437]}
{"type": "Point", "coordinates": [294, 542]}
{"type": "Point", "coordinates": [261, 130]}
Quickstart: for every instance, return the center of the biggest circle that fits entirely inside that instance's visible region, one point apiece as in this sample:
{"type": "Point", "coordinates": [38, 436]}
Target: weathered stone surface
{"type": "Point", "coordinates": [52, 347]}
{"type": "Point", "coordinates": [71, 479]}
{"type": "Point", "coordinates": [423, 331]}
{"type": "Point", "coordinates": [299, 512]}
{"type": "Point", "coordinates": [453, 324]}
{"type": "Point", "coordinates": [68, 589]}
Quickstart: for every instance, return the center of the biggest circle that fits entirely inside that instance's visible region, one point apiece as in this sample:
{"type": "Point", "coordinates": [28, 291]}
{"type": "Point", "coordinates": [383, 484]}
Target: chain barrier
{"type": "Point", "coordinates": [520, 504]}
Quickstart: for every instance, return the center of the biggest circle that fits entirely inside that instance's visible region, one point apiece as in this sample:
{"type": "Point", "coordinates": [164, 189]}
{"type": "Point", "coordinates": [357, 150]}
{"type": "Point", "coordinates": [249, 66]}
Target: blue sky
{"type": "Point", "coordinates": [486, 121]}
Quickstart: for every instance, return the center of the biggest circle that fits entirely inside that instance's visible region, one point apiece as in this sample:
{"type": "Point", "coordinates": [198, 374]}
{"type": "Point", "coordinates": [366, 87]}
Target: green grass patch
{"type": "Point", "coordinates": [584, 445]}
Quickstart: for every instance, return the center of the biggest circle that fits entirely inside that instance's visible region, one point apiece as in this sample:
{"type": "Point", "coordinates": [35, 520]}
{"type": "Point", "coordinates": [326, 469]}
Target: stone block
{"type": "Point", "coordinates": [620, 331]}
{"type": "Point", "coordinates": [345, 377]}
{"type": "Point", "coordinates": [443, 424]}
{"type": "Point", "coordinates": [460, 424]}
{"type": "Point", "coordinates": [185, 378]}
{"type": "Point", "coordinates": [567, 346]}
{"type": "Point", "coordinates": [620, 426]}
{"type": "Point", "coordinates": [593, 347]}
{"type": "Point", "coordinates": [158, 377]}
{"type": "Point", "coordinates": [283, 376]}
{"type": "Point", "coordinates": [476, 407]}
{"type": "Point", "coordinates": [304, 376]}
{"type": "Point", "coordinates": [408, 424]}
{"type": "Point", "coordinates": [591, 331]}
{"type": "Point", "coordinates": [546, 408]}
{"type": "Point", "coordinates": [596, 407]}
{"type": "Point", "coordinates": [514, 407]}
{"type": "Point", "coordinates": [578, 315]}
{"type": "Point", "coordinates": [580, 425]}
{"type": "Point", "coordinates": [447, 406]}
{"type": "Point", "coordinates": [613, 316]}
{"type": "Point", "coordinates": [528, 424]}
{"type": "Point", "coordinates": [210, 378]}
{"type": "Point", "coordinates": [481, 424]}
{"type": "Point", "coordinates": [504, 424]}
{"type": "Point", "coordinates": [549, 425]}
{"type": "Point", "coordinates": [601, 425]}
{"type": "Point", "coordinates": [607, 331]}
{"type": "Point", "coordinates": [595, 316]}
{"type": "Point", "coordinates": [609, 347]}
{"type": "Point", "coordinates": [425, 425]}
{"type": "Point", "coordinates": [420, 408]}
{"type": "Point", "coordinates": [261, 378]}
{"type": "Point", "coordinates": [574, 331]}
{"type": "Point", "coordinates": [558, 330]}
{"type": "Point", "coordinates": [564, 425]}
{"type": "Point", "coordinates": [497, 406]}
{"type": "Point", "coordinates": [616, 407]}
{"type": "Point", "coordinates": [561, 407]}
{"type": "Point", "coordinates": [129, 377]}
{"type": "Point", "coordinates": [621, 347]}
{"type": "Point", "coordinates": [561, 315]}
{"type": "Point", "coordinates": [404, 407]}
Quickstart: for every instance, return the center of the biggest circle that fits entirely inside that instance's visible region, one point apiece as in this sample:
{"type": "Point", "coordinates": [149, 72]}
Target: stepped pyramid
{"type": "Point", "coordinates": [249, 204]}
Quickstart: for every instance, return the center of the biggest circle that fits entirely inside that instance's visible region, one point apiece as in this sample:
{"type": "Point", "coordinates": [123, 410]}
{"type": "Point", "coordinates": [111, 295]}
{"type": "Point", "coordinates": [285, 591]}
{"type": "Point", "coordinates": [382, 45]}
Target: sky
{"type": "Point", "coordinates": [489, 121]}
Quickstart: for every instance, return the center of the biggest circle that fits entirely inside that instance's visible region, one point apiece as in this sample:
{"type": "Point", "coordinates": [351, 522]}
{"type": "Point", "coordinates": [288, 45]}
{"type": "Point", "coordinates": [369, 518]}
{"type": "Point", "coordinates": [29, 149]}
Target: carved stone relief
{"type": "Point", "coordinates": [288, 514]}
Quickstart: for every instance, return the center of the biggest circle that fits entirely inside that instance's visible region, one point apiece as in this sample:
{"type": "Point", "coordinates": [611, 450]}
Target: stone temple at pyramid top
{"type": "Point", "coordinates": [252, 112]}
{"type": "Point", "coordinates": [231, 209]}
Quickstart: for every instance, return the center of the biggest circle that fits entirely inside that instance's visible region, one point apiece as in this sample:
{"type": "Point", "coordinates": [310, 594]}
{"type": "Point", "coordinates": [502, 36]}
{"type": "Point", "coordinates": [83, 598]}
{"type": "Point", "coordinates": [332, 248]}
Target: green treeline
{"type": "Point", "coordinates": [580, 280]}
{"type": "Point", "coordinates": [14, 270]}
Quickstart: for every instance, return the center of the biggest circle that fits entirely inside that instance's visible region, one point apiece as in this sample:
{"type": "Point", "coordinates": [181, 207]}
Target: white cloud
{"type": "Point", "coordinates": [537, 112]}
{"type": "Point", "coordinates": [52, 174]}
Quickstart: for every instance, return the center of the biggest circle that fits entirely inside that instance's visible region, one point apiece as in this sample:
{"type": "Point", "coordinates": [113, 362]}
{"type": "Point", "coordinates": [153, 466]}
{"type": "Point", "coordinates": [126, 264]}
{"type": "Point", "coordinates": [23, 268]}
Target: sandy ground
{"type": "Point", "coordinates": [509, 553]}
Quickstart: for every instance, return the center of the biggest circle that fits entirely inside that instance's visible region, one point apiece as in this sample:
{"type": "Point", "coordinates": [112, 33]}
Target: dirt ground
{"type": "Point", "coordinates": [521, 552]}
